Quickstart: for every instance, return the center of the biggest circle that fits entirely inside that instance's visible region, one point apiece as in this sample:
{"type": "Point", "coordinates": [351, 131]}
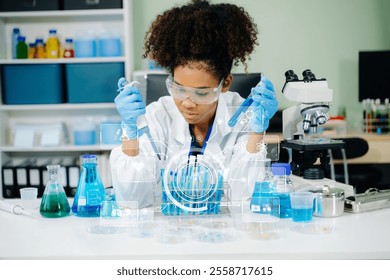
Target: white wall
{"type": "Point", "coordinates": [323, 35]}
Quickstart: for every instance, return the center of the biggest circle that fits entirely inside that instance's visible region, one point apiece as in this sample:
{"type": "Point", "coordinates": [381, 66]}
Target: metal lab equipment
{"type": "Point", "coordinates": [372, 199]}
{"type": "Point", "coordinates": [328, 202]}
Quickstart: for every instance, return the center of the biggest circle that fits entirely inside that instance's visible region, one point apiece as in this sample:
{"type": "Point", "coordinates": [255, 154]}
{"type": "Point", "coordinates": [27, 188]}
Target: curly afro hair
{"type": "Point", "coordinates": [219, 35]}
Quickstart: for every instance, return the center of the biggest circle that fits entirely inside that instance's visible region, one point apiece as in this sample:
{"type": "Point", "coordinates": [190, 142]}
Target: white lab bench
{"type": "Point", "coordinates": [350, 236]}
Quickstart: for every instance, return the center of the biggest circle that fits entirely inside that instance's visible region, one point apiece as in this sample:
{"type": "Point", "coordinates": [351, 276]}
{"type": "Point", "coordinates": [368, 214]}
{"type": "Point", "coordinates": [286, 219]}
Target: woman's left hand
{"type": "Point", "coordinates": [264, 105]}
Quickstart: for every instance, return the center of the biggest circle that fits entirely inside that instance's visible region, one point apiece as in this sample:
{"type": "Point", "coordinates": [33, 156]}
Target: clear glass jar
{"type": "Point", "coordinates": [281, 187]}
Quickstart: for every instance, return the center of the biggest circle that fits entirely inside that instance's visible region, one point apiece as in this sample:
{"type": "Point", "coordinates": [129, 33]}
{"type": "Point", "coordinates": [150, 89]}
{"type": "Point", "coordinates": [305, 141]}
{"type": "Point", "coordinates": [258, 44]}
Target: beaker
{"type": "Point", "coordinates": [54, 203]}
{"type": "Point", "coordinates": [90, 191]}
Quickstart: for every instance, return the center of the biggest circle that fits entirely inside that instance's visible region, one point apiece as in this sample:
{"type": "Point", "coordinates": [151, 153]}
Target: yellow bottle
{"type": "Point", "coordinates": [53, 45]}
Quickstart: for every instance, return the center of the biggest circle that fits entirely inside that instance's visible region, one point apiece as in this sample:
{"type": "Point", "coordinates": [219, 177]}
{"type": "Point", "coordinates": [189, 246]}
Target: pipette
{"type": "Point", "coordinates": [14, 209]}
{"type": "Point", "coordinates": [242, 109]}
{"type": "Point", "coordinates": [142, 123]}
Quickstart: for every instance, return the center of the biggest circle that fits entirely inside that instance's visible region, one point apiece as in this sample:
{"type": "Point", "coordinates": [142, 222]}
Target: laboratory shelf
{"type": "Point", "coordinates": [63, 13]}
{"type": "Point", "coordinates": [69, 23]}
{"type": "Point", "coordinates": [64, 60]}
{"type": "Point", "coordinates": [55, 107]}
{"type": "Point", "coordinates": [63, 148]}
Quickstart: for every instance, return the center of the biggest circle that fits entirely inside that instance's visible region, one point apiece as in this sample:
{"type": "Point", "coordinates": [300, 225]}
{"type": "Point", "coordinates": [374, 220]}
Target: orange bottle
{"type": "Point", "coordinates": [39, 49]}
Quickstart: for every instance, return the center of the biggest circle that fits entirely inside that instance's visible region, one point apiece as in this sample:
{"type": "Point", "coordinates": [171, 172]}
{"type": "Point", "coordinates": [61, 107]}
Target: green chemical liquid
{"type": "Point", "coordinates": [54, 205]}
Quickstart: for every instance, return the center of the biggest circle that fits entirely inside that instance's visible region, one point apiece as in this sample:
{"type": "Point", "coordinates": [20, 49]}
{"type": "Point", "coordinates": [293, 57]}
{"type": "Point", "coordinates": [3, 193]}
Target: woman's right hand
{"type": "Point", "coordinates": [130, 105]}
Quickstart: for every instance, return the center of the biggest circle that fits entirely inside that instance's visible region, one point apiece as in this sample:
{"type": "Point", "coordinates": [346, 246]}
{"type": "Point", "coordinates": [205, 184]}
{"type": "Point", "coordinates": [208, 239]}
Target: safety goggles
{"type": "Point", "coordinates": [197, 95]}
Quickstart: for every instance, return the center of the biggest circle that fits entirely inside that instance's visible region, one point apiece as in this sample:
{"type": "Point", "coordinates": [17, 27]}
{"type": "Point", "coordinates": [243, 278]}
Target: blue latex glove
{"type": "Point", "coordinates": [264, 105]}
{"type": "Point", "coordinates": [130, 106]}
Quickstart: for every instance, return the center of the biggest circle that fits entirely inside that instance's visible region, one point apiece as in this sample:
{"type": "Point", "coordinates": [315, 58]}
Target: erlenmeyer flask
{"type": "Point", "coordinates": [90, 190]}
{"type": "Point", "coordinates": [54, 203]}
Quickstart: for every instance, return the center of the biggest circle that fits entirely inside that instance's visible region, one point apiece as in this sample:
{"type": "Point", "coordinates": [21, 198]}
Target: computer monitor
{"type": "Point", "coordinates": [244, 82]}
{"type": "Point", "coordinates": [155, 85]}
{"type": "Point", "coordinates": [374, 72]}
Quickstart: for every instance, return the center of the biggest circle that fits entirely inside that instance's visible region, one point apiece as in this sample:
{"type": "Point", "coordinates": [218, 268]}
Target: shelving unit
{"type": "Point", "coordinates": [35, 24]}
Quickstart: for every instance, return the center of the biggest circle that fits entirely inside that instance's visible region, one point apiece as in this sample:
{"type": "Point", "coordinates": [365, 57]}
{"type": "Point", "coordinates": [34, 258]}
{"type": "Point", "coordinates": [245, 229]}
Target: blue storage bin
{"type": "Point", "coordinates": [32, 84]}
{"type": "Point", "coordinates": [93, 82]}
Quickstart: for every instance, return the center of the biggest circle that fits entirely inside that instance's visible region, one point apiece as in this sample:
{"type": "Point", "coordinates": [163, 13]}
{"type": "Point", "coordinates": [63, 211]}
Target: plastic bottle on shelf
{"type": "Point", "coordinates": [90, 191]}
{"type": "Point", "coordinates": [31, 50]}
{"type": "Point", "coordinates": [281, 187]}
{"type": "Point", "coordinates": [39, 48]}
{"type": "Point", "coordinates": [53, 45]}
{"type": "Point", "coordinates": [68, 49]}
{"type": "Point", "coordinates": [54, 203]}
{"type": "Point", "coordinates": [21, 48]}
{"type": "Point", "coordinates": [15, 35]}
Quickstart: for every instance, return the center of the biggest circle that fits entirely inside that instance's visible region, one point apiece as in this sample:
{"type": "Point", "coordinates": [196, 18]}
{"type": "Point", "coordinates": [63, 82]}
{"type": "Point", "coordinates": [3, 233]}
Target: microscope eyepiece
{"type": "Point", "coordinates": [291, 76]}
{"type": "Point", "coordinates": [308, 75]}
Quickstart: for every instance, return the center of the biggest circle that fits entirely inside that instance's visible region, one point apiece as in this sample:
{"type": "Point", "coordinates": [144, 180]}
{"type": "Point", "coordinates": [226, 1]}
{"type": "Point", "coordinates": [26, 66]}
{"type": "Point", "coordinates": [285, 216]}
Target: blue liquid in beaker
{"type": "Point", "coordinates": [302, 214]}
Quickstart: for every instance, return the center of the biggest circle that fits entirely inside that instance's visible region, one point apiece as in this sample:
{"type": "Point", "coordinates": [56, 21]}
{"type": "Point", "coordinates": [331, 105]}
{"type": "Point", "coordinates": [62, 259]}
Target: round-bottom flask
{"type": "Point", "coordinates": [54, 203]}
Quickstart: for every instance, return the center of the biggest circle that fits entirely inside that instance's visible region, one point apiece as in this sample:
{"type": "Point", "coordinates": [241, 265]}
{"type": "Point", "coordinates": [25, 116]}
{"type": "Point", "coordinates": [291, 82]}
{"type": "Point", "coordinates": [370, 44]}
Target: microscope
{"type": "Point", "coordinates": [301, 121]}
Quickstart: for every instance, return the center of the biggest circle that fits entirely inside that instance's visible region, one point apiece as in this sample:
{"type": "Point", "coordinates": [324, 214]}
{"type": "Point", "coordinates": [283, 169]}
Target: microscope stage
{"type": "Point", "coordinates": [313, 144]}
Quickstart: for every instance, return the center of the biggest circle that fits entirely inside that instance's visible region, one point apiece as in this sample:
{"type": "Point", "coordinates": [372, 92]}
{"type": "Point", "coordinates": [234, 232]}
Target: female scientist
{"type": "Point", "coordinates": [197, 44]}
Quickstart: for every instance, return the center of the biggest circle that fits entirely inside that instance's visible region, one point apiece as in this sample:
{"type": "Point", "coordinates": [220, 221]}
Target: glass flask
{"type": "Point", "coordinates": [282, 186]}
{"type": "Point", "coordinates": [262, 198]}
{"type": "Point", "coordinates": [54, 203]}
{"type": "Point", "coordinates": [90, 191]}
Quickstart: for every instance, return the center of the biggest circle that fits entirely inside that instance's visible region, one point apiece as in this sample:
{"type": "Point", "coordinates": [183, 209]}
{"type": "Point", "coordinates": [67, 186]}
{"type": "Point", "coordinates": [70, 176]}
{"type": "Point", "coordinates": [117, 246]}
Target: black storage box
{"type": "Point", "coordinates": [28, 5]}
{"type": "Point", "coordinates": [92, 4]}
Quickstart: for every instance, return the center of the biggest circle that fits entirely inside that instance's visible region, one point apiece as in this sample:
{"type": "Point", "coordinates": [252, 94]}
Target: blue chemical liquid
{"type": "Point", "coordinates": [302, 214]}
{"type": "Point", "coordinates": [285, 206]}
{"type": "Point", "coordinates": [86, 211]}
{"type": "Point", "coordinates": [90, 191]}
{"type": "Point", "coordinates": [262, 199]}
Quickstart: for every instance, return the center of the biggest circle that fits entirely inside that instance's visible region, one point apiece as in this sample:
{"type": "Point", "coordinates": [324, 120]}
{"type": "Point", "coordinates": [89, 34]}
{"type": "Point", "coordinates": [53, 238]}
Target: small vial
{"type": "Point", "coordinates": [68, 49]}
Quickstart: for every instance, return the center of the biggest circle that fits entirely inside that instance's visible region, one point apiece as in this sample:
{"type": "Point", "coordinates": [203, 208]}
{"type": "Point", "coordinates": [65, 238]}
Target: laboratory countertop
{"type": "Point", "coordinates": [350, 236]}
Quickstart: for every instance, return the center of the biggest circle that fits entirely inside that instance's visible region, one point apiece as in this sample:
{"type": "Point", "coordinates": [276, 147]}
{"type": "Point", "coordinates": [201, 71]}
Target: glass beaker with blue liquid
{"type": "Point", "coordinates": [90, 191]}
{"type": "Point", "coordinates": [282, 186]}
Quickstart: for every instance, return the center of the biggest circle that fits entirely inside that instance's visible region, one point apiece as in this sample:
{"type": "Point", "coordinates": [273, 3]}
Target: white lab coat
{"type": "Point", "coordinates": [137, 178]}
